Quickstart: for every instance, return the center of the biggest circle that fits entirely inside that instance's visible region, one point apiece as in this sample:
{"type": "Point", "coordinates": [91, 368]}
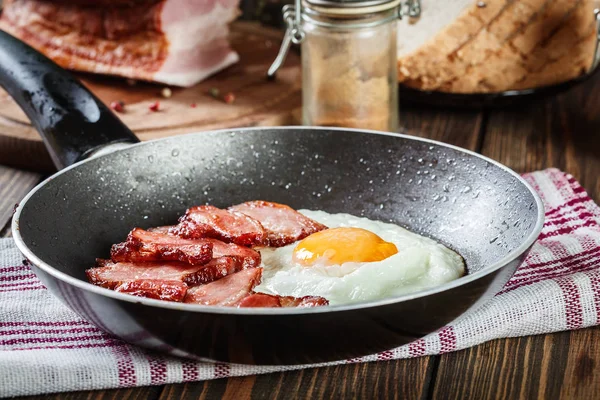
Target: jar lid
{"type": "Point", "coordinates": [350, 7]}
{"type": "Point", "coordinates": [348, 3]}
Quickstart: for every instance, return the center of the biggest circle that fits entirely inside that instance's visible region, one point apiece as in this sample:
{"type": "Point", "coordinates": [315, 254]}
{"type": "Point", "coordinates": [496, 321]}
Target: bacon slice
{"type": "Point", "coordinates": [225, 225]}
{"type": "Point", "coordinates": [228, 291]}
{"type": "Point", "coordinates": [154, 289]}
{"type": "Point", "coordinates": [259, 300]}
{"type": "Point", "coordinates": [268, 300]}
{"type": "Point", "coordinates": [111, 274]}
{"type": "Point", "coordinates": [144, 246]}
{"type": "Point", "coordinates": [216, 269]}
{"type": "Point", "coordinates": [248, 257]}
{"type": "Point", "coordinates": [177, 42]}
{"type": "Point", "coordinates": [160, 279]}
{"type": "Point", "coordinates": [283, 224]}
{"type": "Point", "coordinates": [306, 301]}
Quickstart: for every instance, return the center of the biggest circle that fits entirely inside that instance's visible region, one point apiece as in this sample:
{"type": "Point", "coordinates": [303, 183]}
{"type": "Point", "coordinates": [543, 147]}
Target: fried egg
{"type": "Point", "coordinates": [356, 260]}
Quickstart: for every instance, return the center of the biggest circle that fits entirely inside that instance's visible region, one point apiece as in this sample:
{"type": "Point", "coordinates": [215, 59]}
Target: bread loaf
{"type": "Point", "coordinates": [470, 46]}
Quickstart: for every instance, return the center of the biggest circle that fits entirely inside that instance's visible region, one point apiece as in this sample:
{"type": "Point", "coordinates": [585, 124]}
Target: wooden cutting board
{"type": "Point", "coordinates": [258, 102]}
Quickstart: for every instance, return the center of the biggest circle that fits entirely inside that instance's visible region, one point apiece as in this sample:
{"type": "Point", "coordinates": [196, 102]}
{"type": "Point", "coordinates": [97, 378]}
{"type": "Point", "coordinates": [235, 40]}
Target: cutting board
{"type": "Point", "coordinates": [258, 102]}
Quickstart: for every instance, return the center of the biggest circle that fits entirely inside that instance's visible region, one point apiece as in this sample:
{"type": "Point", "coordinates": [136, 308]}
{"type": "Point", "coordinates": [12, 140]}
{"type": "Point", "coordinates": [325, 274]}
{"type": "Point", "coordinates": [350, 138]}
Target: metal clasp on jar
{"type": "Point", "coordinates": [292, 15]}
{"type": "Point", "coordinates": [596, 61]}
{"type": "Point", "coordinates": [293, 34]}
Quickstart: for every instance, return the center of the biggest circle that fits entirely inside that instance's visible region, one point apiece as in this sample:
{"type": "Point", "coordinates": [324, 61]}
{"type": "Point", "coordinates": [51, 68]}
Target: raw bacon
{"type": "Point", "coordinates": [283, 224]}
{"type": "Point", "coordinates": [225, 225]}
{"type": "Point", "coordinates": [144, 246]}
{"type": "Point", "coordinates": [228, 291]}
{"type": "Point", "coordinates": [268, 300]}
{"type": "Point", "coordinates": [177, 42]}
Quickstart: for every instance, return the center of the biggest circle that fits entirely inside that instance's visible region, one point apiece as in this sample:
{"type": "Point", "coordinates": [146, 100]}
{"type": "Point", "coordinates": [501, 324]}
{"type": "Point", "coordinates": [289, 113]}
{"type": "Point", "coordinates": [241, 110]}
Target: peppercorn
{"type": "Point", "coordinates": [229, 98]}
{"type": "Point", "coordinates": [214, 92]}
{"type": "Point", "coordinates": [154, 106]}
{"type": "Point", "coordinates": [118, 106]}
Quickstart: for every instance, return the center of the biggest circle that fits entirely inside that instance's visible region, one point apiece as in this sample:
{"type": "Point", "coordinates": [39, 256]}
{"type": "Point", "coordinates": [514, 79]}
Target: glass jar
{"type": "Point", "coordinates": [349, 60]}
{"type": "Point", "coordinates": [349, 64]}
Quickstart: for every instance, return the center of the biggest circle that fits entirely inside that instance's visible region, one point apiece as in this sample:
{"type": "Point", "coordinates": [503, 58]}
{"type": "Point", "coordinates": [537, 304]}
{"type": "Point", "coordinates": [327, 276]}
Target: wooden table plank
{"type": "Point", "coordinates": [404, 379]}
{"type": "Point", "coordinates": [504, 369]}
{"type": "Point", "coordinates": [142, 393]}
{"type": "Point", "coordinates": [582, 366]}
{"type": "Point", "coordinates": [14, 185]}
{"type": "Point", "coordinates": [561, 365]}
{"type": "Point", "coordinates": [559, 132]}
{"type": "Point", "coordinates": [456, 127]}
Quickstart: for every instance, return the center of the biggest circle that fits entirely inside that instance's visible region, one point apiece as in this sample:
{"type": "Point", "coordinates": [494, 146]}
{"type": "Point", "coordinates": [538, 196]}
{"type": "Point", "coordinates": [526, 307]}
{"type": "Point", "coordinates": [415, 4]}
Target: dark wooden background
{"type": "Point", "coordinates": [561, 131]}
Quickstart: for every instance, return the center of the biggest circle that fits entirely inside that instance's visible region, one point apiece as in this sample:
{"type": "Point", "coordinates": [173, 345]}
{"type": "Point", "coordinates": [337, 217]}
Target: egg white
{"type": "Point", "coordinates": [420, 263]}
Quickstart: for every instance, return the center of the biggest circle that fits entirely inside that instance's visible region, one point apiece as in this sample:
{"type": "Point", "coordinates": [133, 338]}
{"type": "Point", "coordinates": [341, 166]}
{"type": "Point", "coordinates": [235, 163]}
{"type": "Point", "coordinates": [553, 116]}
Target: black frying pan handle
{"type": "Point", "coordinates": [71, 120]}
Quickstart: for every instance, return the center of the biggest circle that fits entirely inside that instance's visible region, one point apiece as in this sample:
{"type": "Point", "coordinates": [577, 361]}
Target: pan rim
{"type": "Point", "coordinates": [86, 286]}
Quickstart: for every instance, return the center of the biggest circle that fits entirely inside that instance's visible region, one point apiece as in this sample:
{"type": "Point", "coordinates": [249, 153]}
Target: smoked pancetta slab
{"type": "Point", "coordinates": [176, 42]}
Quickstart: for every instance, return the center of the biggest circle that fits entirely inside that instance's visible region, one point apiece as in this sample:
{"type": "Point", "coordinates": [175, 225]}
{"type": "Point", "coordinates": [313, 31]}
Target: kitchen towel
{"type": "Point", "coordinates": [45, 347]}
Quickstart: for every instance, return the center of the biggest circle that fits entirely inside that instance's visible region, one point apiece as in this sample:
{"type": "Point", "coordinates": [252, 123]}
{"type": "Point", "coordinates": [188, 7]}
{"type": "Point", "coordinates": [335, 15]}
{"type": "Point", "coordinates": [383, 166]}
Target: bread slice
{"type": "Point", "coordinates": [497, 45]}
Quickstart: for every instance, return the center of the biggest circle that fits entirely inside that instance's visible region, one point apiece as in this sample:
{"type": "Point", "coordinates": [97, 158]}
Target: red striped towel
{"type": "Point", "coordinates": [44, 347]}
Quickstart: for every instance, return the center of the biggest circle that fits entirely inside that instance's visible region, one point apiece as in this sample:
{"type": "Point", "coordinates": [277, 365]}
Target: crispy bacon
{"type": "Point", "coordinates": [144, 246]}
{"type": "Point", "coordinates": [283, 224]}
{"type": "Point", "coordinates": [268, 300]}
{"type": "Point", "coordinates": [154, 289]}
{"type": "Point", "coordinates": [228, 291]}
{"type": "Point", "coordinates": [226, 225]}
{"type": "Point", "coordinates": [249, 258]}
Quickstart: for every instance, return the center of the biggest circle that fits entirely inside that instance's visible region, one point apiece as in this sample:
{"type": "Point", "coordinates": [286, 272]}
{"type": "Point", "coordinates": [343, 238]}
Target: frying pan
{"type": "Point", "coordinates": [110, 183]}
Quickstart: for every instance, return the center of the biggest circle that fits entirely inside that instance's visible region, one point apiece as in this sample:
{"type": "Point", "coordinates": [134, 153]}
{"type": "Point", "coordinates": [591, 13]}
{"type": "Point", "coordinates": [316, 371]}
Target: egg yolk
{"type": "Point", "coordinates": [341, 245]}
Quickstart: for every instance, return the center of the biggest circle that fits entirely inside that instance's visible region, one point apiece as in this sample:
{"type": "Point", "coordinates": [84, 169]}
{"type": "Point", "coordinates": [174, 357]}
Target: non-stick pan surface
{"type": "Point", "coordinates": [477, 207]}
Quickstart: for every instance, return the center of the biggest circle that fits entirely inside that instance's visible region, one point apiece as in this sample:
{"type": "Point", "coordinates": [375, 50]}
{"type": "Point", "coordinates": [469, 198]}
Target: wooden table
{"type": "Point", "coordinates": [562, 132]}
